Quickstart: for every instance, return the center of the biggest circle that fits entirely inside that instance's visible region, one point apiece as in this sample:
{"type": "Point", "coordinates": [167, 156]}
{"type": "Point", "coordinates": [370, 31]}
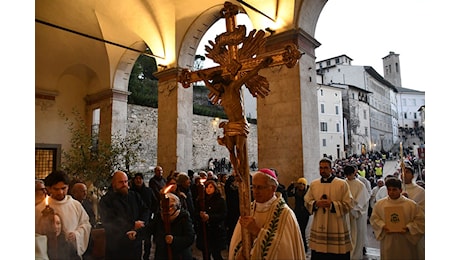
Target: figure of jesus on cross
{"type": "Point", "coordinates": [240, 58]}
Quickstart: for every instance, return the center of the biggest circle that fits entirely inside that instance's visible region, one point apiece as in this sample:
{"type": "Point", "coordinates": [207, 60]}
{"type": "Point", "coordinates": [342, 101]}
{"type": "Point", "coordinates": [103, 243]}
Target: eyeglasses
{"type": "Point", "coordinates": [41, 189]}
{"type": "Point", "coordinates": [260, 187]}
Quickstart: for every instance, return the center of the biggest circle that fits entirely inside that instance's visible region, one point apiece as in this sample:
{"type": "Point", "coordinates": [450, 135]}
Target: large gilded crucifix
{"type": "Point", "coordinates": [240, 58]}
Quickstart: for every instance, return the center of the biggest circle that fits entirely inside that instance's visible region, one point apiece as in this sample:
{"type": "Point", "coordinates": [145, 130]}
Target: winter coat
{"type": "Point", "coordinates": [118, 214]}
{"type": "Point", "coordinates": [182, 232]}
{"type": "Point", "coordinates": [216, 232]}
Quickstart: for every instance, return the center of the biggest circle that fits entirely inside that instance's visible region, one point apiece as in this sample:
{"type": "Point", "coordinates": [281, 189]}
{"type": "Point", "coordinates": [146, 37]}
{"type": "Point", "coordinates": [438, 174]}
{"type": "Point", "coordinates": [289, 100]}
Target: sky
{"type": "Point", "coordinates": [367, 30]}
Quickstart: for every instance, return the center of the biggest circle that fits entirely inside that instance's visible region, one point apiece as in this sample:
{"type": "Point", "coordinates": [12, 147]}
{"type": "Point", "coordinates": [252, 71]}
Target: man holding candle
{"type": "Point", "coordinates": [40, 191]}
{"type": "Point", "coordinates": [75, 220]}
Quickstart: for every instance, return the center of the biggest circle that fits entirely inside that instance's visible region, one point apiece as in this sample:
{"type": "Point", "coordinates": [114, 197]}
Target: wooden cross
{"type": "Point", "coordinates": [240, 58]}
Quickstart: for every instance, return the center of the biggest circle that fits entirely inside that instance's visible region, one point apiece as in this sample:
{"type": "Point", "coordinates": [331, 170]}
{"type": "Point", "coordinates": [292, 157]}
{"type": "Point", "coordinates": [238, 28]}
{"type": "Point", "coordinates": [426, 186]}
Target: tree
{"type": "Point", "coordinates": [91, 160]}
{"type": "Point", "coordinates": [142, 84]}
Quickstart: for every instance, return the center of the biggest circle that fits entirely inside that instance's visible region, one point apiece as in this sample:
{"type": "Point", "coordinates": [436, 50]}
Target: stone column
{"type": "Point", "coordinates": [175, 111]}
{"type": "Point", "coordinates": [114, 112]}
{"type": "Point", "coordinates": [287, 119]}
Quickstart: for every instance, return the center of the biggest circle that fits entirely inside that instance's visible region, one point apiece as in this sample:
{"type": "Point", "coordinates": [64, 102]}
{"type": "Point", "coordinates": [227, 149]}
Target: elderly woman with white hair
{"type": "Point", "coordinates": [181, 236]}
{"type": "Point", "coordinates": [272, 223]}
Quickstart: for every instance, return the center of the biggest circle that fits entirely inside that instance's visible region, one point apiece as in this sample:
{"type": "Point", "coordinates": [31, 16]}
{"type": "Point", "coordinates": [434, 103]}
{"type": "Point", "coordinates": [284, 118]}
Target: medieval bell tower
{"type": "Point", "coordinates": [392, 69]}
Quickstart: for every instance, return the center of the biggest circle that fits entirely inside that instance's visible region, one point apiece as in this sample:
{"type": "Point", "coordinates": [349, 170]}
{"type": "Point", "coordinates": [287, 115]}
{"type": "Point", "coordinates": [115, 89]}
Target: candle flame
{"type": "Point", "coordinates": [168, 188]}
{"type": "Point", "coordinates": [46, 200]}
{"type": "Point", "coordinates": [202, 181]}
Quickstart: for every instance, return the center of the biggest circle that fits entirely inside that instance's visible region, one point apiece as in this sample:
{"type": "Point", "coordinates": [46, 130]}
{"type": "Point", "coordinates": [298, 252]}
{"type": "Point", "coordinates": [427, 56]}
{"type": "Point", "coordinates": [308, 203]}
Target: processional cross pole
{"type": "Point", "coordinates": [240, 58]}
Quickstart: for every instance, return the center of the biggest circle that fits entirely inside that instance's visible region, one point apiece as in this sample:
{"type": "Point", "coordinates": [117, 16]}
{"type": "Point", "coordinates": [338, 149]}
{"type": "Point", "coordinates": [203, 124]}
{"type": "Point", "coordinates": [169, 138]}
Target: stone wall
{"type": "Point", "coordinates": [205, 146]}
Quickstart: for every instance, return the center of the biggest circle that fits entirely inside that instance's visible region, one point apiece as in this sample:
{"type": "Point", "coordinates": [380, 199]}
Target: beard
{"type": "Point", "coordinates": [123, 190]}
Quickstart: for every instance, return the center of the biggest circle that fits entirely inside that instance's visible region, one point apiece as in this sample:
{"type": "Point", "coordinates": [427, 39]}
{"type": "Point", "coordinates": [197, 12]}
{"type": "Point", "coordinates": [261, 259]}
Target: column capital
{"type": "Point", "coordinates": [116, 94]}
{"type": "Point", "coordinates": [167, 74]}
{"type": "Point", "coordinates": [306, 43]}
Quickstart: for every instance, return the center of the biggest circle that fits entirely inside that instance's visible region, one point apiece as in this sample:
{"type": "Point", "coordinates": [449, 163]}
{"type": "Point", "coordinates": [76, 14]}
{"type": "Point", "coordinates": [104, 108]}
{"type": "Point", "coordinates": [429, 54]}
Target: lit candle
{"type": "Point", "coordinates": [201, 193]}
{"type": "Point", "coordinates": [46, 201]}
{"type": "Point", "coordinates": [168, 188]}
{"type": "Point", "coordinates": [201, 199]}
{"type": "Point", "coordinates": [165, 217]}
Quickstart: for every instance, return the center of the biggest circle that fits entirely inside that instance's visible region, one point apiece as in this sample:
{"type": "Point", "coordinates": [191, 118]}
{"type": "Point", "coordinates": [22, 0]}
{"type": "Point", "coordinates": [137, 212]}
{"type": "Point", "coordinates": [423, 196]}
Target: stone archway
{"type": "Point", "coordinates": [288, 131]}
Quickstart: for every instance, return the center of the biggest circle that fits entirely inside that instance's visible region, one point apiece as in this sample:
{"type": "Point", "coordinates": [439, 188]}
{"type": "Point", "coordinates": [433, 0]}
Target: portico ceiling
{"type": "Point", "coordinates": [96, 32]}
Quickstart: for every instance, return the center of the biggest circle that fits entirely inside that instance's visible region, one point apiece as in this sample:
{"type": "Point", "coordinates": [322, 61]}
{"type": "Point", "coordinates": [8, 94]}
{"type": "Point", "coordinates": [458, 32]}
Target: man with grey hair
{"type": "Point", "coordinates": [40, 191]}
{"type": "Point", "coordinates": [271, 222]}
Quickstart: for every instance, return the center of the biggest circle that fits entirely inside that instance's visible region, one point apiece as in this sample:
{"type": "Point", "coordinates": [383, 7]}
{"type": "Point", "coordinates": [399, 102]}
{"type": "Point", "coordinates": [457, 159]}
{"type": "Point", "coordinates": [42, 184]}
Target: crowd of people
{"type": "Point", "coordinates": [176, 212]}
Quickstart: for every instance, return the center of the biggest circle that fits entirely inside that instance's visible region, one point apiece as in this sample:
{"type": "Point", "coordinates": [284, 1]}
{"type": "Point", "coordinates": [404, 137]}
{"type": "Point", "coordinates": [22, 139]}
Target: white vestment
{"type": "Point", "coordinates": [41, 249]}
{"type": "Point", "coordinates": [373, 198]}
{"type": "Point", "coordinates": [74, 219]}
{"type": "Point", "coordinates": [366, 182]}
{"type": "Point", "coordinates": [330, 230]}
{"type": "Point", "coordinates": [417, 194]}
{"type": "Point", "coordinates": [381, 193]}
{"type": "Point", "coordinates": [398, 245]}
{"type": "Point", "coordinates": [358, 217]}
{"type": "Point", "coordinates": [279, 237]}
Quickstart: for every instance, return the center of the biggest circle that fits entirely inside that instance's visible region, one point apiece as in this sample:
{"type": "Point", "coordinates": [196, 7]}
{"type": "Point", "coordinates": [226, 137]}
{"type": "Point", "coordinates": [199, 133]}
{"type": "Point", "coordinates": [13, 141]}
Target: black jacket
{"type": "Point", "coordinates": [216, 208]}
{"type": "Point", "coordinates": [118, 214]}
{"type": "Point", "coordinates": [182, 231]}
